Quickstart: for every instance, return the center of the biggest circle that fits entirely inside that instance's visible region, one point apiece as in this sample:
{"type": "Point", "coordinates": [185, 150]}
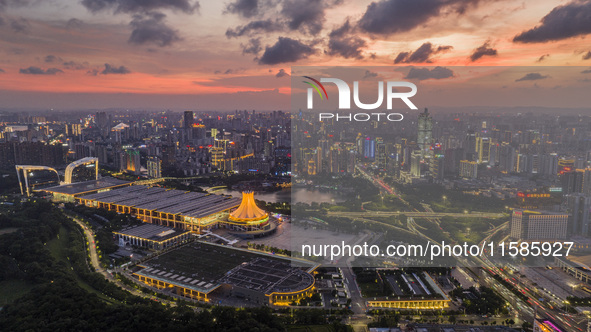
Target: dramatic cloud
{"type": "Point", "coordinates": [393, 16]}
{"type": "Point", "coordinates": [436, 73]}
{"type": "Point", "coordinates": [422, 54]}
{"type": "Point", "coordinates": [245, 8]}
{"type": "Point", "coordinates": [543, 57]}
{"type": "Point", "coordinates": [52, 58]}
{"type": "Point", "coordinates": [306, 15]}
{"type": "Point", "coordinates": [483, 50]}
{"type": "Point", "coordinates": [74, 23]}
{"type": "Point", "coordinates": [562, 22]}
{"type": "Point", "coordinates": [532, 77]}
{"type": "Point", "coordinates": [586, 71]}
{"type": "Point", "coordinates": [286, 50]}
{"type": "Point", "coordinates": [38, 71]}
{"type": "Point", "coordinates": [255, 26]}
{"type": "Point", "coordinates": [151, 29]}
{"type": "Point", "coordinates": [342, 43]}
{"type": "Point", "coordinates": [20, 25]}
{"type": "Point", "coordinates": [140, 6]}
{"type": "Point", "coordinates": [114, 70]}
{"type": "Point", "coordinates": [252, 47]}
{"type": "Point", "coordinates": [281, 73]}
{"type": "Point", "coordinates": [2, 70]}
{"type": "Point", "coordinates": [587, 56]}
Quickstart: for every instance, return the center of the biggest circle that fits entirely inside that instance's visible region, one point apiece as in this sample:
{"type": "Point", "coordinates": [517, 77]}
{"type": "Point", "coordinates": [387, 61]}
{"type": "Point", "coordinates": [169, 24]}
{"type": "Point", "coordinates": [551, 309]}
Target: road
{"type": "Point", "coordinates": [95, 262]}
{"type": "Point", "coordinates": [416, 214]}
{"type": "Point", "coordinates": [521, 308]}
{"type": "Point", "coordinates": [539, 303]}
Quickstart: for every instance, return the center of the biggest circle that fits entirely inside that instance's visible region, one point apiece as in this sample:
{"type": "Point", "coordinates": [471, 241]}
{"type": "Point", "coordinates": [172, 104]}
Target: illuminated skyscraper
{"type": "Point", "coordinates": [483, 149]}
{"type": "Point", "coordinates": [425, 132]}
{"type": "Point", "coordinates": [154, 165]}
{"type": "Point", "coordinates": [415, 164]}
{"type": "Point", "coordinates": [369, 148]}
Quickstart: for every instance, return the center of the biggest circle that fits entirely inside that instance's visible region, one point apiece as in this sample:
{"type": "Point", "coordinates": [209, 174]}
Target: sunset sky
{"type": "Point", "coordinates": [179, 54]}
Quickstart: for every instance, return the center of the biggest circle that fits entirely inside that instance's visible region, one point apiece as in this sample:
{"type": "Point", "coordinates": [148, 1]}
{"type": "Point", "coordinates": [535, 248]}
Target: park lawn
{"type": "Point", "coordinates": [59, 248]}
{"type": "Point", "coordinates": [370, 289]}
{"type": "Point", "coordinates": [11, 290]}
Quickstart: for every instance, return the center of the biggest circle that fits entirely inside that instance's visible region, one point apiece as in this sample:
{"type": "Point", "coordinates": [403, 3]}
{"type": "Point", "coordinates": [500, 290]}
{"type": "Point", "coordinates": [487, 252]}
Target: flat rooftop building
{"type": "Point", "coordinates": [198, 269]}
{"type": "Point", "coordinates": [69, 192]}
{"type": "Point", "coordinates": [529, 225]}
{"type": "Point", "coordinates": [192, 211]}
{"type": "Point", "coordinates": [151, 236]}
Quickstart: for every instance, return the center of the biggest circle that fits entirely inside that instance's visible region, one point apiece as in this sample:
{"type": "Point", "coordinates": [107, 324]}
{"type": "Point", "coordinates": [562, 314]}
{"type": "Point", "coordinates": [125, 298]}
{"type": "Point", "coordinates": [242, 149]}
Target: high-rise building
{"type": "Point", "coordinates": [437, 167]}
{"type": "Point", "coordinates": [538, 225]}
{"type": "Point", "coordinates": [168, 155]}
{"type": "Point", "coordinates": [415, 163]}
{"type": "Point", "coordinates": [483, 149]}
{"type": "Point", "coordinates": [579, 210]}
{"type": "Point", "coordinates": [369, 149]}
{"type": "Point", "coordinates": [425, 132]}
{"type": "Point", "coordinates": [187, 119]}
{"type": "Point", "coordinates": [101, 119]}
{"type": "Point", "coordinates": [549, 164]}
{"type": "Point", "coordinates": [507, 156]}
{"type": "Point", "coordinates": [452, 160]}
{"type": "Point", "coordinates": [381, 154]}
{"type": "Point", "coordinates": [577, 181]}
{"type": "Point", "coordinates": [468, 169]}
{"type": "Point", "coordinates": [73, 129]}
{"type": "Point", "coordinates": [132, 161]}
{"type": "Point", "coordinates": [470, 145]}
{"type": "Point", "coordinates": [154, 165]}
{"type": "Point", "coordinates": [31, 153]}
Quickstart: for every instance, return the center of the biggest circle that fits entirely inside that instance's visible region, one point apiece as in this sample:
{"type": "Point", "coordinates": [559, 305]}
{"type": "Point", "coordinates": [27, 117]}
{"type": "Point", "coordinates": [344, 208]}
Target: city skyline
{"type": "Point", "coordinates": [231, 55]}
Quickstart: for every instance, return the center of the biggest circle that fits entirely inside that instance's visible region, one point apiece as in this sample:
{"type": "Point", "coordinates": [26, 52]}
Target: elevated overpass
{"type": "Point", "coordinates": [415, 214]}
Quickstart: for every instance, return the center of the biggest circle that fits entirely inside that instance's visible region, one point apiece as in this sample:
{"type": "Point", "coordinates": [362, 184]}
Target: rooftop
{"type": "Point", "coordinates": [190, 204]}
{"type": "Point", "coordinates": [204, 267]}
{"type": "Point", "coordinates": [152, 232]}
{"type": "Point", "coordinates": [268, 275]}
{"type": "Point", "coordinates": [87, 186]}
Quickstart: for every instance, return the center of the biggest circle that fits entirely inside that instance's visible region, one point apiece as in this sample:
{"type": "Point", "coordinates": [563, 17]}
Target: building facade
{"type": "Point", "coordinates": [538, 225]}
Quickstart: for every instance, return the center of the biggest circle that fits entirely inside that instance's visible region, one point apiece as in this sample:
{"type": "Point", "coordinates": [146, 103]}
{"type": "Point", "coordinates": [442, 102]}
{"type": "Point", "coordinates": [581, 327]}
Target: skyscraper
{"type": "Point", "coordinates": [381, 154]}
{"type": "Point", "coordinates": [154, 165]}
{"type": "Point", "coordinates": [369, 148]}
{"type": "Point", "coordinates": [579, 210]}
{"type": "Point", "coordinates": [188, 119]}
{"type": "Point", "coordinates": [483, 149]}
{"type": "Point", "coordinates": [470, 145]}
{"type": "Point", "coordinates": [415, 164]}
{"type": "Point", "coordinates": [425, 132]}
{"type": "Point", "coordinates": [468, 169]}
